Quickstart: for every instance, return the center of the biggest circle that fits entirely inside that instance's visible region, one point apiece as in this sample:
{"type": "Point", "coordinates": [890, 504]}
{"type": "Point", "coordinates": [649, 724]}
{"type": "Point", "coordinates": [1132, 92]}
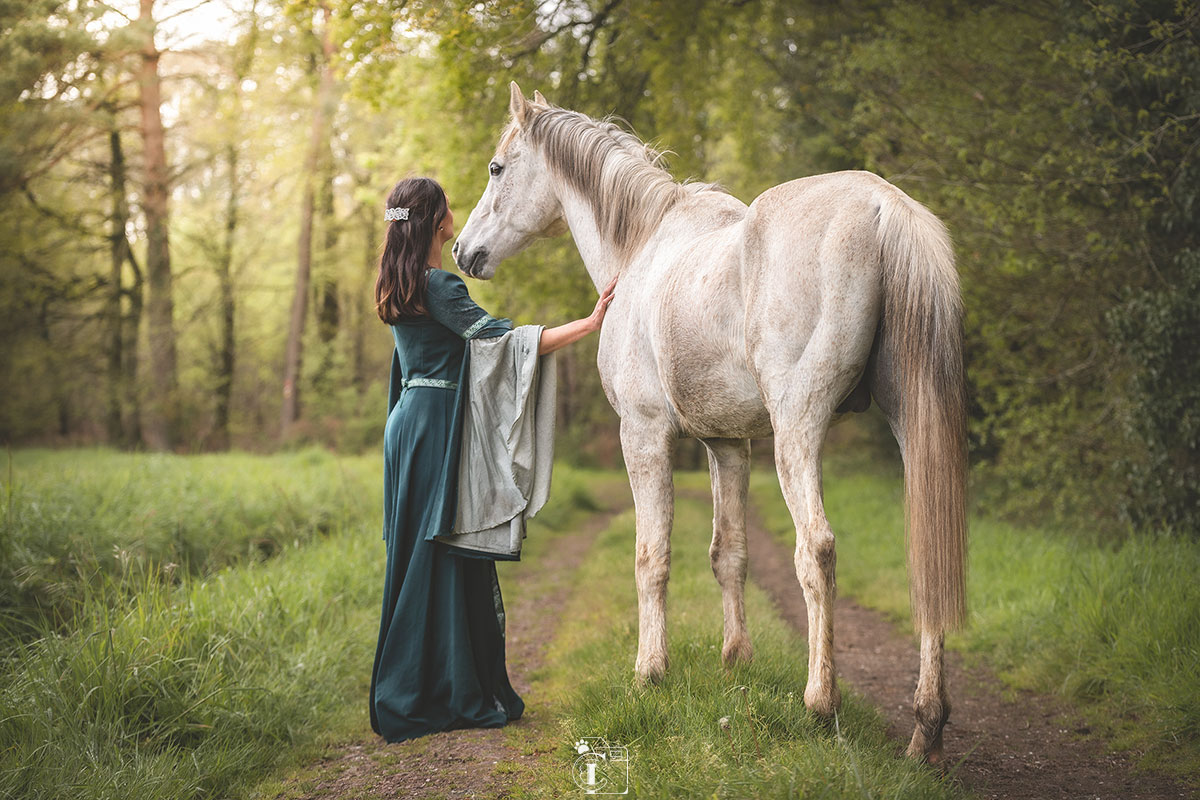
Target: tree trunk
{"type": "Point", "coordinates": [162, 419]}
{"type": "Point", "coordinates": [328, 312]}
{"type": "Point", "coordinates": [325, 274]}
{"type": "Point", "coordinates": [118, 247]}
{"type": "Point", "coordinates": [294, 353]}
{"type": "Point", "coordinates": [363, 309]}
{"type": "Point", "coordinates": [325, 287]}
{"type": "Point", "coordinates": [133, 331]}
{"type": "Point", "coordinates": [227, 300]}
{"type": "Point", "coordinates": [225, 356]}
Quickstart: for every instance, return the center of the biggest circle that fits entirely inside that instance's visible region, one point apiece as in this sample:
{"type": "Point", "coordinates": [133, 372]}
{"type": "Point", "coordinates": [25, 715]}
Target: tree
{"type": "Point", "coordinates": [122, 418]}
{"type": "Point", "coordinates": [322, 66]}
{"type": "Point", "coordinates": [162, 410]}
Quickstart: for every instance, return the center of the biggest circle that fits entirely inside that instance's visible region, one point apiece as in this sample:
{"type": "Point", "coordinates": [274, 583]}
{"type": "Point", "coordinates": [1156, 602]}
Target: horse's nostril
{"type": "Point", "coordinates": [454, 251]}
{"type": "Point", "coordinates": [472, 262]}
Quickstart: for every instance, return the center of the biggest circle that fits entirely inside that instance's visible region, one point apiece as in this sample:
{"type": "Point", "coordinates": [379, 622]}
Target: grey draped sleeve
{"type": "Point", "coordinates": [507, 442]}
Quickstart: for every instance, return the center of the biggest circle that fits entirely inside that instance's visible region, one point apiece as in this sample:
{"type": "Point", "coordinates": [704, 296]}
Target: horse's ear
{"type": "Point", "coordinates": [539, 98]}
{"type": "Point", "coordinates": [517, 104]}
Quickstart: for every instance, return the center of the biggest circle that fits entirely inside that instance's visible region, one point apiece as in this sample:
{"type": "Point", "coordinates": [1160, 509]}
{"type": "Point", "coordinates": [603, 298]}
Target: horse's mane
{"type": "Point", "coordinates": [617, 171]}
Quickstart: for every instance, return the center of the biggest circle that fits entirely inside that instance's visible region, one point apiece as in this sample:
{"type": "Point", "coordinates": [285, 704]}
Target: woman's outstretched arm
{"type": "Point", "coordinates": [561, 336]}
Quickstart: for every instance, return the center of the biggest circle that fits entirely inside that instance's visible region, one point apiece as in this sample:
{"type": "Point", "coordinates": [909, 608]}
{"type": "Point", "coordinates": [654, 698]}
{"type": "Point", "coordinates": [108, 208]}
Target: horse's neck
{"type": "Point", "coordinates": [599, 255]}
{"type": "Point", "coordinates": [603, 259]}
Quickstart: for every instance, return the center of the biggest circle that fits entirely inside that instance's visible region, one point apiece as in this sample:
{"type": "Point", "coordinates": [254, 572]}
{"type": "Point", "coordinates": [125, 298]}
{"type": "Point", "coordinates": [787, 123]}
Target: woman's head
{"type": "Point", "coordinates": [415, 209]}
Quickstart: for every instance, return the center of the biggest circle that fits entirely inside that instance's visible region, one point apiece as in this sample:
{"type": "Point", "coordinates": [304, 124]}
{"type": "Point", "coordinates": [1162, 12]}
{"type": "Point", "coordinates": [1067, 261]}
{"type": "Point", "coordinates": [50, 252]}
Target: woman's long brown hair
{"type": "Point", "coordinates": [400, 285]}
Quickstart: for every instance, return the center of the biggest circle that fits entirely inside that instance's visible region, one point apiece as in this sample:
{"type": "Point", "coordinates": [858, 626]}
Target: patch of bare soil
{"type": "Point", "coordinates": [472, 762]}
{"type": "Point", "coordinates": [1027, 748]}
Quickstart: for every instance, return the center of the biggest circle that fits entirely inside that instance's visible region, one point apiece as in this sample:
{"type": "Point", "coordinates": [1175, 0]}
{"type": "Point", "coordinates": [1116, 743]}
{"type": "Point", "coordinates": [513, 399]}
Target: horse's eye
{"type": "Point", "coordinates": [494, 169]}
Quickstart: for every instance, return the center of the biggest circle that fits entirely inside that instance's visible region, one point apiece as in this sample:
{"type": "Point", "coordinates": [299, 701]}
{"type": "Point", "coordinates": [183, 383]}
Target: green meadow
{"type": "Point", "coordinates": [672, 733]}
{"type": "Point", "coordinates": [79, 524]}
{"type": "Point", "coordinates": [1112, 626]}
{"type": "Point", "coordinates": [214, 617]}
{"type": "Point", "coordinates": [184, 622]}
{"type": "Point", "coordinates": [201, 626]}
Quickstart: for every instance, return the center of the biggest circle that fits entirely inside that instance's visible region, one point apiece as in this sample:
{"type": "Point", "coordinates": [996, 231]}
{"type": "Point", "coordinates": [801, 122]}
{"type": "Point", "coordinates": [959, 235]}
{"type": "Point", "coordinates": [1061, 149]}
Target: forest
{"type": "Point", "coordinates": [192, 207]}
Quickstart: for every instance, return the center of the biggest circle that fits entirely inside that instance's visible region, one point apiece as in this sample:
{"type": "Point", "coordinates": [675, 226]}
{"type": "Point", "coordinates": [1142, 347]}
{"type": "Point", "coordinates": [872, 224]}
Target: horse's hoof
{"type": "Point", "coordinates": [922, 748]}
{"type": "Point", "coordinates": [651, 671]}
{"type": "Point", "coordinates": [935, 758]}
{"type": "Point", "coordinates": [926, 744]}
{"type": "Point", "coordinates": [737, 650]}
{"type": "Point", "coordinates": [823, 703]}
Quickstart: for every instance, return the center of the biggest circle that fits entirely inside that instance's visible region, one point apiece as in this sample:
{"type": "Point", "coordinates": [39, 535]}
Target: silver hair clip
{"type": "Point", "coordinates": [395, 213]}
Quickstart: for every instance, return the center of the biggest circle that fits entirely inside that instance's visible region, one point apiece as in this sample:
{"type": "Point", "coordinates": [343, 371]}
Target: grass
{"type": "Point", "coordinates": [188, 691]}
{"type": "Point", "coordinates": [1114, 628]}
{"type": "Point", "coordinates": [72, 521]}
{"type": "Point", "coordinates": [253, 651]}
{"type": "Point", "coordinates": [576, 494]}
{"type": "Point", "coordinates": [675, 744]}
{"type": "Point", "coordinates": [189, 684]}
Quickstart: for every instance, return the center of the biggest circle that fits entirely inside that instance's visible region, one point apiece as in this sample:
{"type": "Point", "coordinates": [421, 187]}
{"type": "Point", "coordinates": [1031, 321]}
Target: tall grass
{"type": "Point", "coordinates": [167, 688]}
{"type": "Point", "coordinates": [672, 731]}
{"type": "Point", "coordinates": [180, 692]}
{"type": "Point", "coordinates": [1114, 627]}
{"type": "Point", "coordinates": [73, 520]}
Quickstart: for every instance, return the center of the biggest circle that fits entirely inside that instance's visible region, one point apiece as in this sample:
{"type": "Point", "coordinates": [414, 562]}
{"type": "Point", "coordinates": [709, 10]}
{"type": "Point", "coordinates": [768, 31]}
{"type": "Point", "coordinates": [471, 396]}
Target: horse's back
{"type": "Point", "coordinates": [723, 306]}
{"type": "Point", "coordinates": [810, 264]}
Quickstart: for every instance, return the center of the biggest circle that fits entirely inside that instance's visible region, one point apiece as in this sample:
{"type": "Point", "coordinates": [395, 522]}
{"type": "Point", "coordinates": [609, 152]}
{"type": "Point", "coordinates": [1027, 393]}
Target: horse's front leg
{"type": "Point", "coordinates": [647, 449]}
{"type": "Point", "coordinates": [729, 469]}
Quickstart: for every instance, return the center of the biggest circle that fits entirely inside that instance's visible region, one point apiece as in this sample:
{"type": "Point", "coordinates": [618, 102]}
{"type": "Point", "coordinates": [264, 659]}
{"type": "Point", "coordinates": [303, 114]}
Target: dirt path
{"type": "Point", "coordinates": [1028, 748]}
{"type": "Point", "coordinates": [1023, 749]}
{"type": "Point", "coordinates": [473, 762]}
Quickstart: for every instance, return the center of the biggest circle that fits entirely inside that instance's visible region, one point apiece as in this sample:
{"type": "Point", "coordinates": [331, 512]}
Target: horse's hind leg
{"type": "Point", "coordinates": [647, 450]}
{"type": "Point", "coordinates": [729, 469]}
{"type": "Point", "coordinates": [931, 702]}
{"type": "Point", "coordinates": [798, 444]}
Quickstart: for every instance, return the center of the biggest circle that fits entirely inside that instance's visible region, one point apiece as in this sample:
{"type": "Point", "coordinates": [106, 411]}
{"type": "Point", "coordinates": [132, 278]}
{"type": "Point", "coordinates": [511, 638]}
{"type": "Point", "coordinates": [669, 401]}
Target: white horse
{"type": "Point", "coordinates": [733, 322]}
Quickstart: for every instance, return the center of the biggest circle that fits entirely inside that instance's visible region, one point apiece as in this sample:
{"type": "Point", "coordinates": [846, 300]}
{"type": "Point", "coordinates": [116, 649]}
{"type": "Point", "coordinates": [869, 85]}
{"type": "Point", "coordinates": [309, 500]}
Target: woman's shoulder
{"type": "Point", "coordinates": [443, 283]}
{"type": "Point", "coordinates": [437, 274]}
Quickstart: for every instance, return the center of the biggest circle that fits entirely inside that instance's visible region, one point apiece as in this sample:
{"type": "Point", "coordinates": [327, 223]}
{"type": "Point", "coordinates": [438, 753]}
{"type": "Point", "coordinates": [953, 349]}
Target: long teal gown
{"type": "Point", "coordinates": [440, 662]}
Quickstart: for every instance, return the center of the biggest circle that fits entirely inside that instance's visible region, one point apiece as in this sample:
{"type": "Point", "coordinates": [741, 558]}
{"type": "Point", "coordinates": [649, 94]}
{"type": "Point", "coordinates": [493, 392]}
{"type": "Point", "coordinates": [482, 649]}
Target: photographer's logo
{"type": "Point", "coordinates": [601, 768]}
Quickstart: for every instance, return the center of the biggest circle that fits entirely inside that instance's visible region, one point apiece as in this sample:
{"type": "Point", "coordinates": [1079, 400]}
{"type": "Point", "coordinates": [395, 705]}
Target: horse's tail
{"type": "Point", "coordinates": [922, 340]}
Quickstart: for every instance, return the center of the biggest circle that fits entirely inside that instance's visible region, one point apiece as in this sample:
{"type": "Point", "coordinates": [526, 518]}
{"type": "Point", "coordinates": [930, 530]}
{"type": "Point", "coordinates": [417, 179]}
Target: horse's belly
{"type": "Point", "coordinates": [701, 347]}
{"type": "Point", "coordinates": [708, 410]}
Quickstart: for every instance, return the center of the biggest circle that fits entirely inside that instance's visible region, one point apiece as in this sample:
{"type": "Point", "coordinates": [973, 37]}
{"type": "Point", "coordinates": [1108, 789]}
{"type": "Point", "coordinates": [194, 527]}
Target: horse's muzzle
{"type": "Point", "coordinates": [471, 261]}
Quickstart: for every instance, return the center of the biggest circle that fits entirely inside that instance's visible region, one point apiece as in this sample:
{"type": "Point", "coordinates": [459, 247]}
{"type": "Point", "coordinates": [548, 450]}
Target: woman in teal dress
{"type": "Point", "coordinates": [439, 662]}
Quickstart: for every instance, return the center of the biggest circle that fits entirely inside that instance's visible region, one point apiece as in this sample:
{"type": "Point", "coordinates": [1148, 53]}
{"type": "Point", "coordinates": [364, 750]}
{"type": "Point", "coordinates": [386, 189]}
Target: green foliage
{"type": "Point", "coordinates": [48, 52]}
{"type": "Point", "coordinates": [1056, 140]}
{"type": "Point", "coordinates": [1148, 57]}
{"type": "Point", "coordinates": [1052, 139]}
{"type": "Point", "coordinates": [1156, 330]}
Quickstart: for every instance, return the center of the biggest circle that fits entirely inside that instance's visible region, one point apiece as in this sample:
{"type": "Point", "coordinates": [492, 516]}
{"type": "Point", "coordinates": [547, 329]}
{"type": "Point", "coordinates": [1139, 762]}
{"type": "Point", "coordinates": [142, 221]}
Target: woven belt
{"type": "Point", "coordinates": [437, 383]}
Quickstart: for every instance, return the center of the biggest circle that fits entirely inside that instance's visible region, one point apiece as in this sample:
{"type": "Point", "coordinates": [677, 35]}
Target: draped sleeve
{"type": "Point", "coordinates": [450, 304]}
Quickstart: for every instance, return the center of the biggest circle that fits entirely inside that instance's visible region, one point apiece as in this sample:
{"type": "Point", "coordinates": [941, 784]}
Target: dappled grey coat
{"type": "Point", "coordinates": [507, 442]}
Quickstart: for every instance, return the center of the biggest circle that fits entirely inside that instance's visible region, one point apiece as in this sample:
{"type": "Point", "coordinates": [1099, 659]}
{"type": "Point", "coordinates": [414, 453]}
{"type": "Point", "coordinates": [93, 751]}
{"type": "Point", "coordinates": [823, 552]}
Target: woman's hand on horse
{"type": "Point", "coordinates": [597, 317]}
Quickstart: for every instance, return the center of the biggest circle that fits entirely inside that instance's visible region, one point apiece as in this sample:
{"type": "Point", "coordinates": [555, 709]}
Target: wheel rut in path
{"type": "Point", "coordinates": [1027, 748]}
{"type": "Point", "coordinates": [463, 763]}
